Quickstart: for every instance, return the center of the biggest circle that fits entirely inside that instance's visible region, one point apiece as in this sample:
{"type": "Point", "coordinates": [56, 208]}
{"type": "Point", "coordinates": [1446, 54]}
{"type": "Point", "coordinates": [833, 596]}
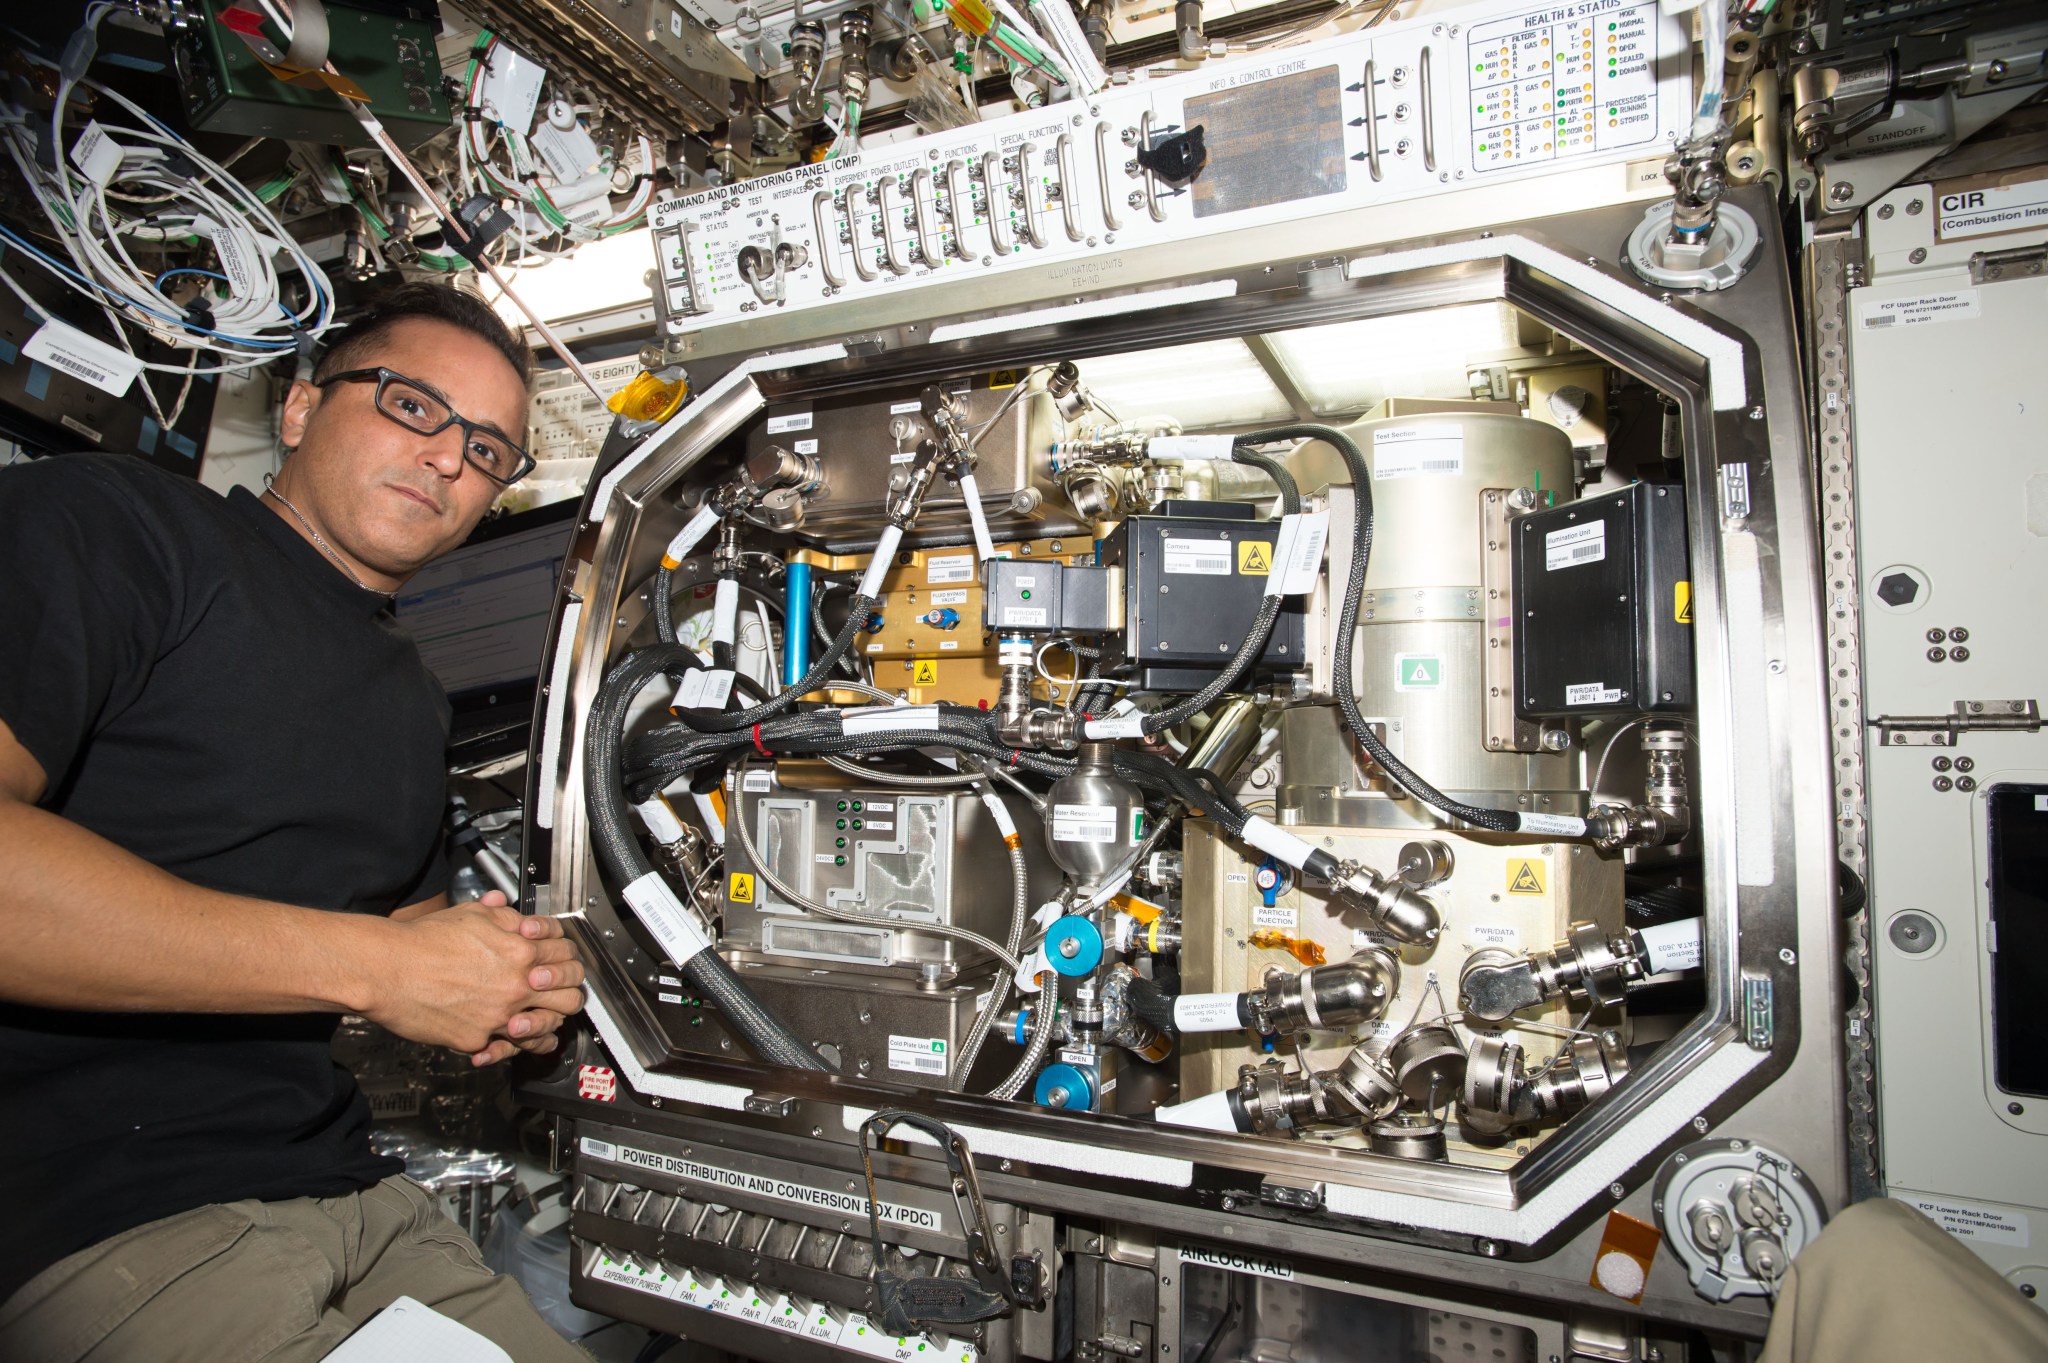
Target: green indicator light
{"type": "Point", "coordinates": [840, 824]}
{"type": "Point", "coordinates": [856, 806]}
{"type": "Point", "coordinates": [839, 842]}
{"type": "Point", "coordinates": [1024, 595]}
{"type": "Point", "coordinates": [1610, 28]}
{"type": "Point", "coordinates": [1610, 108]}
{"type": "Point", "coordinates": [856, 823]}
{"type": "Point", "coordinates": [842, 806]}
{"type": "Point", "coordinates": [1480, 67]}
{"type": "Point", "coordinates": [839, 861]}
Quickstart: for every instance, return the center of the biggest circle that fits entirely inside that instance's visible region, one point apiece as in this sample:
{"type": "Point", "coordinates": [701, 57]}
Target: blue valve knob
{"type": "Point", "coordinates": [1064, 1086]}
{"type": "Point", "coordinates": [1073, 946]}
{"type": "Point", "coordinates": [945, 617]}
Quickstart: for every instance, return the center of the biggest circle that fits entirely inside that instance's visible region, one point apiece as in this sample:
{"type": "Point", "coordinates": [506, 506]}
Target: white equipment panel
{"type": "Point", "coordinates": [1492, 93]}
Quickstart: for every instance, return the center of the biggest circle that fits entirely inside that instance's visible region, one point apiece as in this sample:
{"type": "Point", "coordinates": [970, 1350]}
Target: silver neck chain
{"type": "Point", "coordinates": [319, 543]}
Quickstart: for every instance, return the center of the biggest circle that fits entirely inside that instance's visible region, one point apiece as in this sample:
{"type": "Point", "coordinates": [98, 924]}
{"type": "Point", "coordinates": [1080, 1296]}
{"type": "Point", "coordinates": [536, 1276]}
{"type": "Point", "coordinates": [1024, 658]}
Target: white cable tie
{"type": "Point", "coordinates": [1115, 726]}
{"type": "Point", "coordinates": [1672, 946]}
{"type": "Point", "coordinates": [884, 559]}
{"type": "Point", "coordinates": [661, 820]}
{"type": "Point", "coordinates": [686, 539]}
{"type": "Point", "coordinates": [1551, 825]}
{"type": "Point", "coordinates": [672, 925]}
{"type": "Point", "coordinates": [1207, 1013]}
{"type": "Point", "coordinates": [889, 718]}
{"type": "Point", "coordinates": [984, 545]}
{"type": "Point", "coordinates": [1000, 812]}
{"type": "Point", "coordinates": [1298, 553]}
{"type": "Point", "coordinates": [714, 827]}
{"type": "Point", "coordinates": [1185, 447]}
{"type": "Point", "coordinates": [1275, 841]}
{"type": "Point", "coordinates": [725, 611]}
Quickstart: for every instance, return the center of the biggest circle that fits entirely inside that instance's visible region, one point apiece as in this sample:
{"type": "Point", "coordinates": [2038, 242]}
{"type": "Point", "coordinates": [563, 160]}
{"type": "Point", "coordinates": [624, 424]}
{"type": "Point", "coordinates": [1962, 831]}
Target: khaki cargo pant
{"type": "Point", "coordinates": [280, 1282]}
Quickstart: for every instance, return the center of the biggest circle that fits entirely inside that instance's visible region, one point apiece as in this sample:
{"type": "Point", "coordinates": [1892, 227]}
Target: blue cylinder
{"type": "Point", "coordinates": [796, 622]}
{"type": "Point", "coordinates": [1073, 946]}
{"type": "Point", "coordinates": [1064, 1086]}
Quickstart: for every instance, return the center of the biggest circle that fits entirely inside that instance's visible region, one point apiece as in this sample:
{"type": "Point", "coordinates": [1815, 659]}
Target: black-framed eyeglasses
{"type": "Point", "coordinates": [421, 410]}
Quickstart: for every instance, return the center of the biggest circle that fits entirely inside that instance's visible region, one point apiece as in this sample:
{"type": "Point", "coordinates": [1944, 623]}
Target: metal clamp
{"type": "Point", "coordinates": [905, 1305]}
{"type": "Point", "coordinates": [1151, 184]}
{"type": "Point", "coordinates": [955, 198]}
{"type": "Point", "coordinates": [1025, 154]}
{"type": "Point", "coordinates": [818, 203]}
{"type": "Point", "coordinates": [920, 189]}
{"type": "Point", "coordinates": [1372, 132]}
{"type": "Point", "coordinates": [1428, 113]}
{"type": "Point", "coordinates": [1063, 151]}
{"type": "Point", "coordinates": [861, 267]}
{"type": "Point", "coordinates": [1941, 731]}
{"type": "Point", "coordinates": [882, 188]}
{"type": "Point", "coordinates": [991, 176]}
{"type": "Point", "coordinates": [1109, 218]}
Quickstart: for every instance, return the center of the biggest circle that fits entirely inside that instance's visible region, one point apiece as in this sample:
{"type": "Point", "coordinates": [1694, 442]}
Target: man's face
{"type": "Point", "coordinates": [387, 499]}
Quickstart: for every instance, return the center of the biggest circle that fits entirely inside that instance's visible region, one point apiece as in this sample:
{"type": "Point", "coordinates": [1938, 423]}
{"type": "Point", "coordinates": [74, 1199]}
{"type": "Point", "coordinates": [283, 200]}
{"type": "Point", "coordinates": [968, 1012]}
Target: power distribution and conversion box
{"type": "Point", "coordinates": [226, 89]}
{"type": "Point", "coordinates": [1603, 605]}
{"type": "Point", "coordinates": [1192, 584]}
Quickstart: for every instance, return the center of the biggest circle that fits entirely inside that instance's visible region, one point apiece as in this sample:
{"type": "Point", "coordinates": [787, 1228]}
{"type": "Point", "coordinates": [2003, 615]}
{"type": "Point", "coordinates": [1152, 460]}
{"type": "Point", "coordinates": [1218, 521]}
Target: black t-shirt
{"type": "Point", "coordinates": [203, 688]}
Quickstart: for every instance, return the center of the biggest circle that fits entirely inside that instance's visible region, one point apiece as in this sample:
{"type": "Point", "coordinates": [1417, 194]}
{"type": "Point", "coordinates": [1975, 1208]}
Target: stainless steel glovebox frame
{"type": "Point", "coordinates": [1761, 1062]}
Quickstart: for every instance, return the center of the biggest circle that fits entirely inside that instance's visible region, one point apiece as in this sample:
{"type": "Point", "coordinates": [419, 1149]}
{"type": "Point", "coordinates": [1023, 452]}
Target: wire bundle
{"type": "Point", "coordinates": [160, 192]}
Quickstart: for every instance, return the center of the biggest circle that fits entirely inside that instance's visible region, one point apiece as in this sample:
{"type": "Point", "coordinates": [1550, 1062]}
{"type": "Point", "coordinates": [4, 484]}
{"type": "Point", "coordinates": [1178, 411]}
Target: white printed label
{"type": "Point", "coordinates": [1418, 451]}
{"type": "Point", "coordinates": [703, 688]}
{"type": "Point", "coordinates": [666, 997]}
{"type": "Point", "coordinates": [1591, 693]}
{"type": "Point", "coordinates": [1298, 557]}
{"type": "Point", "coordinates": [568, 152]}
{"type": "Point", "coordinates": [953, 596]}
{"type": "Point", "coordinates": [1556, 825]}
{"type": "Point", "coordinates": [663, 914]}
{"type": "Point", "coordinates": [96, 155]}
{"type": "Point", "coordinates": [1981, 212]}
{"type": "Point", "coordinates": [1083, 823]}
{"type": "Point", "coordinates": [1494, 935]}
{"type": "Point", "coordinates": [780, 1189]}
{"type": "Point", "coordinates": [1023, 615]}
{"type": "Point", "coordinates": [1206, 558]}
{"type": "Point", "coordinates": [1672, 946]}
{"type": "Point", "coordinates": [1418, 672]}
{"type": "Point", "coordinates": [70, 351]}
{"type": "Point", "coordinates": [1971, 1220]}
{"type": "Point", "coordinates": [1571, 547]}
{"type": "Point", "coordinates": [1275, 916]}
{"type": "Point", "coordinates": [652, 1281]}
{"type": "Point", "coordinates": [1946, 305]}
{"type": "Point", "coordinates": [1118, 726]}
{"type": "Point", "coordinates": [1237, 1261]}
{"type": "Point", "coordinates": [789, 421]}
{"type": "Point", "coordinates": [1190, 446]}
{"type": "Point", "coordinates": [759, 782]}
{"type": "Point", "coordinates": [1206, 1013]}
{"type": "Point", "coordinates": [598, 1149]}
{"type": "Point", "coordinates": [675, 23]}
{"type": "Point", "coordinates": [233, 250]}
{"type": "Point", "coordinates": [949, 568]}
{"type": "Point", "coordinates": [918, 1054]}
{"type": "Point", "coordinates": [905, 408]}
{"type": "Point", "coordinates": [883, 718]}
{"type": "Point", "coordinates": [1237, 877]}
{"type": "Point", "coordinates": [805, 446]}
{"type": "Point", "coordinates": [1372, 937]}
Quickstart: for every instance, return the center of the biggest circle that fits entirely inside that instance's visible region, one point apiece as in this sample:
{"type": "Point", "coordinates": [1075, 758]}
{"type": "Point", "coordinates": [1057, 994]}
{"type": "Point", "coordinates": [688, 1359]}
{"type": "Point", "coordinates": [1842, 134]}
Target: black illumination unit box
{"type": "Point", "coordinates": [1603, 605]}
{"type": "Point", "coordinates": [1192, 584]}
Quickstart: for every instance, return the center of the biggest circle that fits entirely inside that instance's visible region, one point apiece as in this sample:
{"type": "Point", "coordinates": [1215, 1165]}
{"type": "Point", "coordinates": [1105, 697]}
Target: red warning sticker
{"type": "Point", "coordinates": [597, 1082]}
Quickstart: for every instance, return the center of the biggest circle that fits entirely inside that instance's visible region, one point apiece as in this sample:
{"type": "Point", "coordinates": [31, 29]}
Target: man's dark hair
{"type": "Point", "coordinates": [433, 302]}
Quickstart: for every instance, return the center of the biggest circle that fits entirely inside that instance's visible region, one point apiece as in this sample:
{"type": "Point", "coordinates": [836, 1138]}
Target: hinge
{"type": "Point", "coordinates": [2021, 262]}
{"type": "Point", "coordinates": [1941, 731]}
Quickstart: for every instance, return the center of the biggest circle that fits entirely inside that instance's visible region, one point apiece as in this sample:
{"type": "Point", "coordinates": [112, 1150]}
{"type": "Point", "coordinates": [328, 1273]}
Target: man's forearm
{"type": "Point", "coordinates": [92, 926]}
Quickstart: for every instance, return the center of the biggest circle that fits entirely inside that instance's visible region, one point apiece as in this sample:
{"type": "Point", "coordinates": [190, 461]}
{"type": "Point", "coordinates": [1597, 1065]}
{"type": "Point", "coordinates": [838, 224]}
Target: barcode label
{"type": "Point", "coordinates": [1206, 558]}
{"type": "Point", "coordinates": [1418, 451]}
{"type": "Point", "coordinates": [918, 1054]}
{"type": "Point", "coordinates": [1575, 545]}
{"type": "Point", "coordinates": [1083, 823]}
{"type": "Point", "coordinates": [70, 351]}
{"type": "Point", "coordinates": [949, 568]}
{"type": "Point", "coordinates": [790, 421]}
